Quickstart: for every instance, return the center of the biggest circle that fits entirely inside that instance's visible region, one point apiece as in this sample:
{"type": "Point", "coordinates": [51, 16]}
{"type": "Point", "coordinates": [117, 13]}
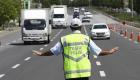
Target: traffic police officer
{"type": "Point", "coordinates": [75, 49]}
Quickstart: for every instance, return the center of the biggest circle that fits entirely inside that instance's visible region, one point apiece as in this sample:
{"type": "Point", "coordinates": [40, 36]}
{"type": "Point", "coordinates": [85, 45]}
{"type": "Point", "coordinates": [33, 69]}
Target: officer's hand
{"type": "Point", "coordinates": [36, 52]}
{"type": "Point", "coordinates": [114, 50]}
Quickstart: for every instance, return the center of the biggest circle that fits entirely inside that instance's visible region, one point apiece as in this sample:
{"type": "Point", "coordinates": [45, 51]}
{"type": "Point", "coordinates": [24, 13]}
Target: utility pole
{"type": "Point", "coordinates": [89, 3]}
{"type": "Point", "coordinates": [132, 6]}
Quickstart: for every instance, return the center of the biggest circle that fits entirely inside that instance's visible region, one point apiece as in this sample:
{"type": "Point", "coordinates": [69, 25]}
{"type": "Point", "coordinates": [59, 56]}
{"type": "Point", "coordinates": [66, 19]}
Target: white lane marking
{"type": "Point", "coordinates": [98, 63]}
{"type": "Point", "coordinates": [28, 58]}
{"type": "Point", "coordinates": [94, 56]}
{"type": "Point", "coordinates": [45, 45]}
{"type": "Point", "coordinates": [102, 74]}
{"type": "Point", "coordinates": [2, 75]}
{"type": "Point", "coordinates": [41, 48]}
{"type": "Point", "coordinates": [15, 66]}
{"type": "Point", "coordinates": [85, 30]}
{"type": "Point", "coordinates": [56, 34]}
{"type": "Point", "coordinates": [59, 32]}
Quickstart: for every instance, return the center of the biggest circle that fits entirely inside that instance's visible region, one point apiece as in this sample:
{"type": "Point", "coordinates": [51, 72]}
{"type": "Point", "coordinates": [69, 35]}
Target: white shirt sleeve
{"type": "Point", "coordinates": [57, 49]}
{"type": "Point", "coordinates": [93, 48]}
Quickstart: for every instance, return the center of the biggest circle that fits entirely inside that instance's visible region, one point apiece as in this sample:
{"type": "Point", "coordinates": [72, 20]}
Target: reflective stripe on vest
{"type": "Point", "coordinates": [77, 71]}
{"type": "Point", "coordinates": [76, 59]}
{"type": "Point", "coordinates": [74, 43]}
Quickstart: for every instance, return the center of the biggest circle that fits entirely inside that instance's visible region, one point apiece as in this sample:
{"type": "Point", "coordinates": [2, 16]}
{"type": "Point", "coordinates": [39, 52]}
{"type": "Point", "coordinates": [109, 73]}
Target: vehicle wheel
{"type": "Point", "coordinates": [108, 38]}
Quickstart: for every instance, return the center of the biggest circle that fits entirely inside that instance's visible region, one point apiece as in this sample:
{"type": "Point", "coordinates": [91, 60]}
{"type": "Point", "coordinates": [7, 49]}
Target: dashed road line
{"type": "Point", "coordinates": [59, 32]}
{"type": "Point", "coordinates": [98, 63]}
{"type": "Point", "coordinates": [41, 48]}
{"type": "Point", "coordinates": [28, 58]}
{"type": "Point", "coordinates": [2, 75]}
{"type": "Point", "coordinates": [102, 74]}
{"type": "Point", "coordinates": [15, 66]}
{"type": "Point", "coordinates": [85, 30]}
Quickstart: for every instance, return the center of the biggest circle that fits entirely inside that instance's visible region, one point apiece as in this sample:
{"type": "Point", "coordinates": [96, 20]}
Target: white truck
{"type": "Point", "coordinates": [59, 16]}
{"type": "Point", "coordinates": [35, 25]}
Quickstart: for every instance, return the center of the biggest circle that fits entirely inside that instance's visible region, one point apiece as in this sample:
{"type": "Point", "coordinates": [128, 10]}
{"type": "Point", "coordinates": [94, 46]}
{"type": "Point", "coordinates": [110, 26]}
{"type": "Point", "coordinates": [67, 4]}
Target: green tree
{"type": "Point", "coordinates": [9, 10]}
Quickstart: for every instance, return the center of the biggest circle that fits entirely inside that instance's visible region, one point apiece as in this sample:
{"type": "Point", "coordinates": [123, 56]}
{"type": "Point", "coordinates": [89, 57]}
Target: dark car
{"type": "Point", "coordinates": [76, 15]}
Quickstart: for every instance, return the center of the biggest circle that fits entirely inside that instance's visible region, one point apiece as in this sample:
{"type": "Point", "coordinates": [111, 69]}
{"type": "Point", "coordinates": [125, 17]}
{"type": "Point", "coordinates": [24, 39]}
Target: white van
{"type": "Point", "coordinates": [59, 16]}
{"type": "Point", "coordinates": [35, 25]}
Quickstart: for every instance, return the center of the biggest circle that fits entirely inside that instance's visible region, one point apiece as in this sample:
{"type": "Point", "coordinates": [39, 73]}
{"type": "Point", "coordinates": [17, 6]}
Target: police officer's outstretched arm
{"type": "Point", "coordinates": [39, 53]}
{"type": "Point", "coordinates": [111, 51]}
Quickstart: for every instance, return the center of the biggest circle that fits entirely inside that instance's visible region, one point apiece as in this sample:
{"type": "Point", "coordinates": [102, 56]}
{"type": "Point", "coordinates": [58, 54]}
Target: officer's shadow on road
{"type": "Point", "coordinates": [25, 44]}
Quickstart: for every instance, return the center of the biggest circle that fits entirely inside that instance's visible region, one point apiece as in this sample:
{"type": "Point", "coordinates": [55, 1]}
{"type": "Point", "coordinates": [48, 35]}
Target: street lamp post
{"type": "Point", "coordinates": [89, 3]}
{"type": "Point", "coordinates": [132, 6]}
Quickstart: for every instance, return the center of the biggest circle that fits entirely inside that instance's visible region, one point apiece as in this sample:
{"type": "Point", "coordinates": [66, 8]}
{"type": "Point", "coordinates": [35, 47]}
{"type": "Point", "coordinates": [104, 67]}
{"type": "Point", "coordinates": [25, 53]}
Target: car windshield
{"type": "Point", "coordinates": [99, 27]}
{"type": "Point", "coordinates": [37, 24]}
{"type": "Point", "coordinates": [58, 16]}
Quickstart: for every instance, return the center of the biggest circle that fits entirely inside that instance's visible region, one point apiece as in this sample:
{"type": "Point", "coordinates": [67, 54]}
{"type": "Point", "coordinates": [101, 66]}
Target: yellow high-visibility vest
{"type": "Point", "coordinates": [75, 53]}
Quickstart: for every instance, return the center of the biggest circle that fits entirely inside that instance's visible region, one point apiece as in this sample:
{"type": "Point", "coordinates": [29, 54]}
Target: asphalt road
{"type": "Point", "coordinates": [18, 63]}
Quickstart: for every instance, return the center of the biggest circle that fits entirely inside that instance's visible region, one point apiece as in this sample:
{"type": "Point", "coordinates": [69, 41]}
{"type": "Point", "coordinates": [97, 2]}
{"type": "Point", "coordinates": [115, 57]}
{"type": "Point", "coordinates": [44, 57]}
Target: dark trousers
{"type": "Point", "coordinates": [83, 78]}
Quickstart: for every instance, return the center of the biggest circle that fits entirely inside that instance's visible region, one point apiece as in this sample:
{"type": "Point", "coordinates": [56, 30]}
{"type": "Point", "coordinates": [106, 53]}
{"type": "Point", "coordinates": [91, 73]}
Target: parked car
{"type": "Point", "coordinates": [100, 31]}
